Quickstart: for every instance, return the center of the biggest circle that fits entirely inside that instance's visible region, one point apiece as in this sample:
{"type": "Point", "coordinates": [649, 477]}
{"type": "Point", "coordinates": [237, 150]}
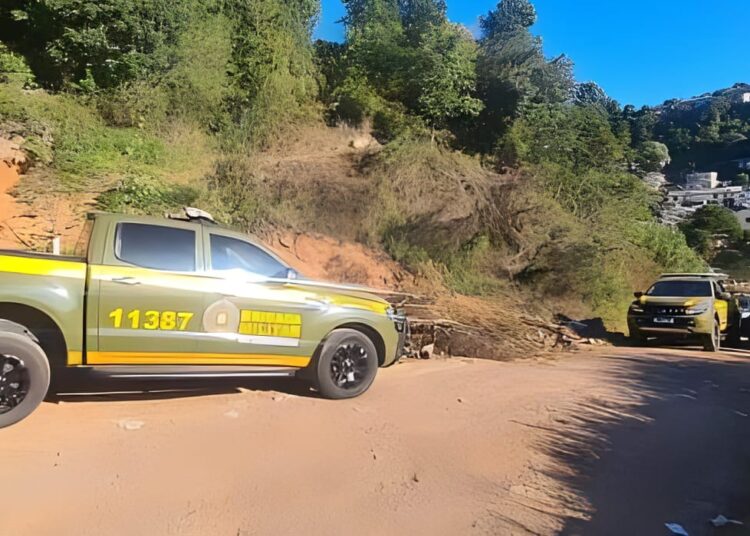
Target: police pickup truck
{"type": "Point", "coordinates": [169, 298]}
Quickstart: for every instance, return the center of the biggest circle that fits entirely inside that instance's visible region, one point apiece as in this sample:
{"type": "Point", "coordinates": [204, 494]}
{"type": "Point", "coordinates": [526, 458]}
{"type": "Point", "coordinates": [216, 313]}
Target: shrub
{"type": "Point", "coordinates": [146, 195]}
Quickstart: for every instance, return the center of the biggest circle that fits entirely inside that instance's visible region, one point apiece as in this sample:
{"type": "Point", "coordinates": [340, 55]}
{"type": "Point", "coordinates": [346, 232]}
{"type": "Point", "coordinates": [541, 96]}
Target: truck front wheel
{"type": "Point", "coordinates": [24, 377]}
{"type": "Point", "coordinates": [346, 366]}
{"type": "Point", "coordinates": [712, 342]}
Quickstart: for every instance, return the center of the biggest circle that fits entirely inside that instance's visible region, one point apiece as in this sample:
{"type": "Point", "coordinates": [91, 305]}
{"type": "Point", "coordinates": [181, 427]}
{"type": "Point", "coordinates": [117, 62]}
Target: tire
{"type": "Point", "coordinates": [637, 339]}
{"type": "Point", "coordinates": [346, 366]}
{"type": "Point", "coordinates": [733, 336]}
{"type": "Point", "coordinates": [24, 377]}
{"type": "Point", "coordinates": [712, 342]}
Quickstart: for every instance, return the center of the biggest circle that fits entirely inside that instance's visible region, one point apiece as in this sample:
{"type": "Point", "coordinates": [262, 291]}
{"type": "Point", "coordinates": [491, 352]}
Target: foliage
{"type": "Point", "coordinates": [578, 138]}
{"type": "Point", "coordinates": [146, 195]}
{"type": "Point", "coordinates": [508, 17]}
{"type": "Point", "coordinates": [653, 156]}
{"type": "Point", "coordinates": [445, 77]}
{"type": "Point", "coordinates": [406, 54]}
{"type": "Point", "coordinates": [104, 43]}
{"type": "Point", "coordinates": [707, 224]}
{"type": "Point", "coordinates": [512, 70]}
{"type": "Point", "coordinates": [272, 72]}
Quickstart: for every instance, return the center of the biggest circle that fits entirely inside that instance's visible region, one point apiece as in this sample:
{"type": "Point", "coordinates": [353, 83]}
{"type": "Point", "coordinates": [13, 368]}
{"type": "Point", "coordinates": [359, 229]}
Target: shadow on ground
{"type": "Point", "coordinates": [673, 445]}
{"type": "Point", "coordinates": [89, 389]}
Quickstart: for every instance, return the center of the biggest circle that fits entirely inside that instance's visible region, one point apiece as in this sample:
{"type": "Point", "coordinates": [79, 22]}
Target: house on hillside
{"type": "Point", "coordinates": [702, 181]}
{"type": "Point", "coordinates": [743, 216]}
{"type": "Point", "coordinates": [746, 98]}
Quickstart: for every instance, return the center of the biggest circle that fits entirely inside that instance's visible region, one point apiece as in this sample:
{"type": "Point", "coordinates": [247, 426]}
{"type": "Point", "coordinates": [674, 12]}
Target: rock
{"type": "Point", "coordinates": [130, 425]}
{"type": "Point", "coordinates": [427, 351]}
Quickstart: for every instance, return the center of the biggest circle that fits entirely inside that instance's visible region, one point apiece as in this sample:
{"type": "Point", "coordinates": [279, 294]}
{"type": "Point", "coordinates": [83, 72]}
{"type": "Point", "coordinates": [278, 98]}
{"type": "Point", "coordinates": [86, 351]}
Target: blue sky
{"type": "Point", "coordinates": [639, 51]}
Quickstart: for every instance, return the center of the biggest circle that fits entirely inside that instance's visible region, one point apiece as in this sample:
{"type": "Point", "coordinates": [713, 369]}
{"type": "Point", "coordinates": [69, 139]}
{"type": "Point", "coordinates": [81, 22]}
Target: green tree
{"type": "Point", "coordinates": [419, 17]}
{"type": "Point", "coordinates": [510, 16]}
{"type": "Point", "coordinates": [653, 156]}
{"type": "Point", "coordinates": [742, 179]}
{"type": "Point", "coordinates": [272, 71]}
{"type": "Point", "coordinates": [445, 77]}
{"type": "Point", "coordinates": [512, 71]}
{"type": "Point", "coordinates": [707, 224]}
{"type": "Point", "coordinates": [104, 43]}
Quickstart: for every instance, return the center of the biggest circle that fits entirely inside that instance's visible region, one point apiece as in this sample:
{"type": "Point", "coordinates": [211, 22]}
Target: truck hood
{"type": "Point", "coordinates": [683, 302]}
{"type": "Point", "coordinates": [341, 295]}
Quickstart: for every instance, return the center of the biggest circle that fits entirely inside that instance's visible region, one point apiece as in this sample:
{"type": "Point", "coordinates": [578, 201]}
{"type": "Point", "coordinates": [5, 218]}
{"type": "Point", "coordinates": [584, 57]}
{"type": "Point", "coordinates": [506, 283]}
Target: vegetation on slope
{"type": "Point", "coordinates": [498, 170]}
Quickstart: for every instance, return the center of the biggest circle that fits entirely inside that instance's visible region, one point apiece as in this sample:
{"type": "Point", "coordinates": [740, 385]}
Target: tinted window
{"type": "Point", "coordinates": [232, 254]}
{"type": "Point", "coordinates": [157, 247]}
{"type": "Point", "coordinates": [680, 289]}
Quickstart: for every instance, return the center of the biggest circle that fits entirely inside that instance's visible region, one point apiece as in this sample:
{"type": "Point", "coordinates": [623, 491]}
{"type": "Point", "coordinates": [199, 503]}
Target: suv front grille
{"type": "Point", "coordinates": [665, 309]}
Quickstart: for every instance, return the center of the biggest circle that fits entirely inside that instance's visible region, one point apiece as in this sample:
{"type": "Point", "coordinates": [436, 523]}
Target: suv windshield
{"type": "Point", "coordinates": [681, 289]}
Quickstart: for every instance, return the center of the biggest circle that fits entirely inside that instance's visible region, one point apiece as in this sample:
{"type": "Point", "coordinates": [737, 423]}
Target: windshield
{"type": "Point", "coordinates": [681, 289]}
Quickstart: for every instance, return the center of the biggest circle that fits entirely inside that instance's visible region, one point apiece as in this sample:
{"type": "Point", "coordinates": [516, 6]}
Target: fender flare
{"type": "Point", "coordinates": [9, 326]}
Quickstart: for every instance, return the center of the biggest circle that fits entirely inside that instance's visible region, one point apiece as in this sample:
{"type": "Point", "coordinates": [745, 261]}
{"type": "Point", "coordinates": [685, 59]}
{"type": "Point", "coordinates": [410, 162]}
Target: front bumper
{"type": "Point", "coordinates": [404, 339]}
{"type": "Point", "coordinates": [655, 325]}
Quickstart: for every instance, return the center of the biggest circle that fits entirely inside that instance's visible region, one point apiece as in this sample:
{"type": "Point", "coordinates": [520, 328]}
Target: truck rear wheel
{"type": "Point", "coordinates": [346, 366]}
{"type": "Point", "coordinates": [712, 342]}
{"type": "Point", "coordinates": [24, 377]}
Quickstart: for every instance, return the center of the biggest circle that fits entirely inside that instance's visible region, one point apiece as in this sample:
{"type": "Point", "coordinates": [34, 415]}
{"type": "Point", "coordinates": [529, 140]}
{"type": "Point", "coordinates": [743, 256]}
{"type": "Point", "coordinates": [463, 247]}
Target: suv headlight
{"type": "Point", "coordinates": [697, 310]}
{"type": "Point", "coordinates": [636, 308]}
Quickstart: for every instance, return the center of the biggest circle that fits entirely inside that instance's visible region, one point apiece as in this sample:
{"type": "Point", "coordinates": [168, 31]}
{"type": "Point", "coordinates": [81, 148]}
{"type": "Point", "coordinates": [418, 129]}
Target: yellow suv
{"type": "Point", "coordinates": [686, 306]}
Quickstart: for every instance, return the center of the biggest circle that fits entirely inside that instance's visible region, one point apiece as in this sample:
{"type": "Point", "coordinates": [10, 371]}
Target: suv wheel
{"type": "Point", "coordinates": [346, 366]}
{"type": "Point", "coordinates": [712, 342]}
{"type": "Point", "coordinates": [24, 377]}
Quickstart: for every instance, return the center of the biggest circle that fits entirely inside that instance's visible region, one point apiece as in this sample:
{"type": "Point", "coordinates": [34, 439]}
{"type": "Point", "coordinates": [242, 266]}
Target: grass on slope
{"type": "Point", "coordinates": [85, 153]}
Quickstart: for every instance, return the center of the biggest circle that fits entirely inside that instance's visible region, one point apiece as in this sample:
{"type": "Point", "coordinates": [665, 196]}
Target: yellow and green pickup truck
{"type": "Point", "coordinates": [181, 298]}
{"type": "Point", "coordinates": [686, 306]}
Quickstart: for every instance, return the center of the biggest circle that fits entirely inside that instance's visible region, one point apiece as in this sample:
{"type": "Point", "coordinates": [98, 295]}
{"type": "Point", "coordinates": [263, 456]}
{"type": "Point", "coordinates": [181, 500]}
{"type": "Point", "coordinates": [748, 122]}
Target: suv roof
{"type": "Point", "coordinates": [695, 276]}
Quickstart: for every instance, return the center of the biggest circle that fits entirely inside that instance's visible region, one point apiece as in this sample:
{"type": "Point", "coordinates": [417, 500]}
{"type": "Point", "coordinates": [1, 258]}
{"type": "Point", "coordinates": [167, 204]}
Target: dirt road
{"type": "Point", "coordinates": [617, 442]}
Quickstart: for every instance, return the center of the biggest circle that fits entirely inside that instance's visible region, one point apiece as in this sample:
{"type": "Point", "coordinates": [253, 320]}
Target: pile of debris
{"type": "Point", "coordinates": [447, 328]}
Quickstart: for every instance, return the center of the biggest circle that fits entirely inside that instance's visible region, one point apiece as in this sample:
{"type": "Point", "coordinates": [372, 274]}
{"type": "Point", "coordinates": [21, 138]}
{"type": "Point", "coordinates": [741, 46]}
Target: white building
{"type": "Point", "coordinates": [728, 196]}
{"type": "Point", "coordinates": [743, 216]}
{"type": "Point", "coordinates": [746, 97]}
{"type": "Point", "coordinates": [702, 181]}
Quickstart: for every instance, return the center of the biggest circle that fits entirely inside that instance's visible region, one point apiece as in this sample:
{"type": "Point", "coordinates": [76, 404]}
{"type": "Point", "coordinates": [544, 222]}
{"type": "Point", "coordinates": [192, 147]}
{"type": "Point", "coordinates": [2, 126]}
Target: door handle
{"type": "Point", "coordinates": [126, 280]}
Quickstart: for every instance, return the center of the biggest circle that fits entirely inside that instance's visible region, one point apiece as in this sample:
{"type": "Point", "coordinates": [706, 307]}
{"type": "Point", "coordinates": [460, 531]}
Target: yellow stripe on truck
{"type": "Point", "coordinates": [39, 266]}
{"type": "Point", "coordinates": [75, 358]}
{"type": "Point", "coordinates": [183, 358]}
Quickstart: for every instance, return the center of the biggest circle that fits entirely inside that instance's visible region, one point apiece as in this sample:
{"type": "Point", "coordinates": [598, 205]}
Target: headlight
{"type": "Point", "coordinates": [636, 308]}
{"type": "Point", "coordinates": [697, 310]}
{"type": "Point", "coordinates": [398, 317]}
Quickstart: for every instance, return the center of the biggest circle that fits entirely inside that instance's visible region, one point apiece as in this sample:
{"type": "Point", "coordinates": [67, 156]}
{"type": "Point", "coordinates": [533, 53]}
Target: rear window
{"type": "Point", "coordinates": [232, 254]}
{"type": "Point", "coordinates": [156, 247]}
{"type": "Point", "coordinates": [680, 289]}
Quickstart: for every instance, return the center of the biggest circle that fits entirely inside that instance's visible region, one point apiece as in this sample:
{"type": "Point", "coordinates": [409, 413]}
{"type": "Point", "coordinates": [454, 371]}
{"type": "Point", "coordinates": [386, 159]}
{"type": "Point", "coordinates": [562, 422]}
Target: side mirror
{"type": "Point", "coordinates": [638, 295]}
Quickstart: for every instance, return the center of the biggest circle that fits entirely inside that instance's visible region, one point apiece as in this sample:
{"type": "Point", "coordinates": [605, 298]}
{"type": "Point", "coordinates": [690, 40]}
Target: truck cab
{"type": "Point", "coordinates": [165, 298]}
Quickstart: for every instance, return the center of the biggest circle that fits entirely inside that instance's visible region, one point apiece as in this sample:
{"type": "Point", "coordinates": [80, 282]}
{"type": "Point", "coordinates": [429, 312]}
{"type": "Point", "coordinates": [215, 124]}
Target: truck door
{"type": "Point", "coordinates": [252, 316]}
{"type": "Point", "coordinates": [149, 294]}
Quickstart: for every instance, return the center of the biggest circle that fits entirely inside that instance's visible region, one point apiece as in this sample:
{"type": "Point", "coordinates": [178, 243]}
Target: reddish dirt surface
{"type": "Point", "coordinates": [615, 442]}
{"type": "Point", "coordinates": [325, 258]}
{"type": "Point", "coordinates": [11, 160]}
{"type": "Point", "coordinates": [31, 223]}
